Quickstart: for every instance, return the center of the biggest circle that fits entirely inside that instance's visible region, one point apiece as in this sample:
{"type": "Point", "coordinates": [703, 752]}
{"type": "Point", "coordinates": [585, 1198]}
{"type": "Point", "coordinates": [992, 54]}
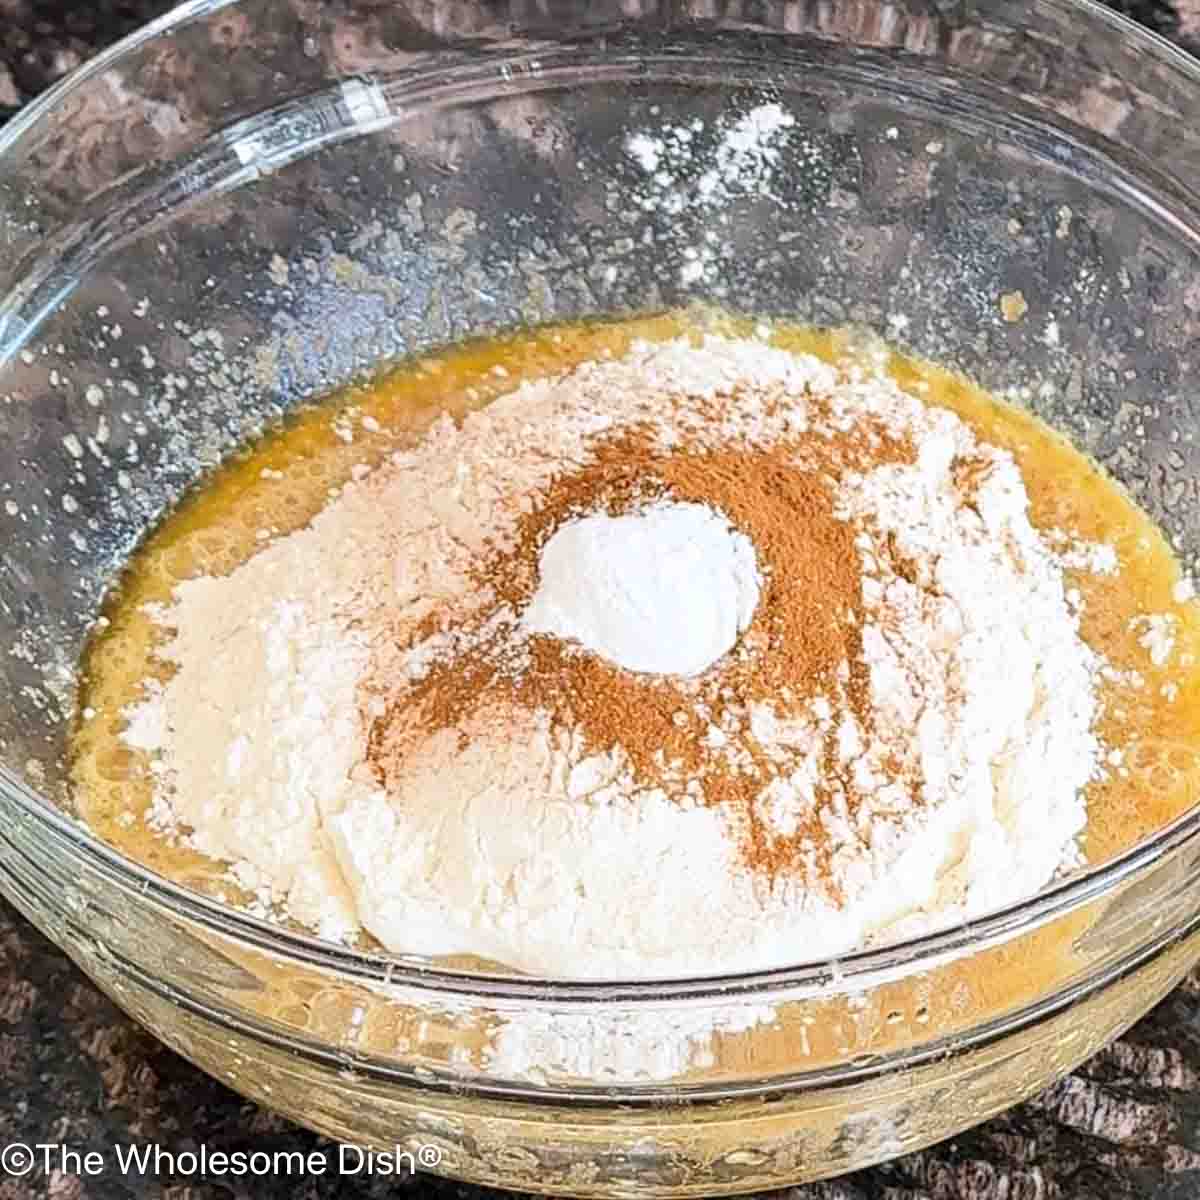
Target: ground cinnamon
{"type": "Point", "coordinates": [803, 643]}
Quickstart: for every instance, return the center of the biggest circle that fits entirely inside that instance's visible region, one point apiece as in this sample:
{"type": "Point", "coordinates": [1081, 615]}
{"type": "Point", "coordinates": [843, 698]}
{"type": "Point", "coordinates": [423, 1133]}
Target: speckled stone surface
{"type": "Point", "coordinates": [75, 1071]}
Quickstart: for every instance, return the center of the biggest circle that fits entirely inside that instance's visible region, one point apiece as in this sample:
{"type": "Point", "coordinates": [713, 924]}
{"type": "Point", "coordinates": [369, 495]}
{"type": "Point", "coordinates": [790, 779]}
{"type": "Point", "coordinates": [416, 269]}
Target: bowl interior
{"type": "Point", "coordinates": [169, 305]}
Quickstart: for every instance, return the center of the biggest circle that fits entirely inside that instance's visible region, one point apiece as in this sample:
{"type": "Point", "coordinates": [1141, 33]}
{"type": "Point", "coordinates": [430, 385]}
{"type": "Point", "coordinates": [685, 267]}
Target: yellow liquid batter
{"type": "Point", "coordinates": [278, 485]}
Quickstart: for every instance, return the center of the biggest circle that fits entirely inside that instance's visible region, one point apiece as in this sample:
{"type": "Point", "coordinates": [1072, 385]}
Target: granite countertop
{"type": "Point", "coordinates": [74, 1070]}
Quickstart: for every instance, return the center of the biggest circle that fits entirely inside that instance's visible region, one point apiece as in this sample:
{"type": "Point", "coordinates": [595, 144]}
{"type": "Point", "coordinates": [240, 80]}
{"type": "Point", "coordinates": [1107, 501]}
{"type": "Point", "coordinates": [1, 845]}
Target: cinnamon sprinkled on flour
{"type": "Point", "coordinates": [804, 641]}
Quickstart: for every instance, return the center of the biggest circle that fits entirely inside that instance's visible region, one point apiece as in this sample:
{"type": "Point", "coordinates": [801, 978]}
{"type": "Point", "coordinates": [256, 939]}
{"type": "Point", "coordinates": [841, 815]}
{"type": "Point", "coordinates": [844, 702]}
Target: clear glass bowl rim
{"type": "Point", "coordinates": [858, 969]}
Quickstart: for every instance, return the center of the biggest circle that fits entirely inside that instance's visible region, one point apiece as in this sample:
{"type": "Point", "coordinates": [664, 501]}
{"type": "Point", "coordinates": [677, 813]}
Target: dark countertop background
{"type": "Point", "coordinates": [74, 1070]}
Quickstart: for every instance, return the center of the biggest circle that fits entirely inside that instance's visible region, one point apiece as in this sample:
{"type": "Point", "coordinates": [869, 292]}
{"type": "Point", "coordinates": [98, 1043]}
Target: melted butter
{"type": "Point", "coordinates": [279, 484]}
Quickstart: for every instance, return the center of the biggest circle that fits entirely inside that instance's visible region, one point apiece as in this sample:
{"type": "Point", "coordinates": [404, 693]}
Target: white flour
{"type": "Point", "coordinates": [697, 169]}
{"type": "Point", "coordinates": [598, 1046]}
{"type": "Point", "coordinates": [504, 837]}
{"type": "Point", "coordinates": [666, 590]}
{"type": "Point", "coordinates": [1156, 635]}
{"type": "Point", "coordinates": [977, 656]}
{"type": "Point", "coordinates": [741, 159]}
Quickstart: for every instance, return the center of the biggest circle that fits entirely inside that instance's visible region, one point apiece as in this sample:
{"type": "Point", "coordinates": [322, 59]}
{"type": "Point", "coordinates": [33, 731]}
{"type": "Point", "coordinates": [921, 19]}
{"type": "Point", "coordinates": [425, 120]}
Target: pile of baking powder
{"type": "Point", "coordinates": [666, 589]}
{"type": "Point", "coordinates": [935, 774]}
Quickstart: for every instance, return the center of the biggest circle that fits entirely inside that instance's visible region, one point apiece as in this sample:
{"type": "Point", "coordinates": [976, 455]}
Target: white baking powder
{"type": "Point", "coordinates": [666, 589]}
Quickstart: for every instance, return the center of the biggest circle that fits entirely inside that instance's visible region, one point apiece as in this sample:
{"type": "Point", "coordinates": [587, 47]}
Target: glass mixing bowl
{"type": "Point", "coordinates": [250, 203]}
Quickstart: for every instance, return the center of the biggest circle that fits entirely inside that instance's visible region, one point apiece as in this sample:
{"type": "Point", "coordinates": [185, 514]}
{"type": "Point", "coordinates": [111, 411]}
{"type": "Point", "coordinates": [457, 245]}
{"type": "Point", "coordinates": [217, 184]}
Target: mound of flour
{"type": "Point", "coordinates": [506, 835]}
